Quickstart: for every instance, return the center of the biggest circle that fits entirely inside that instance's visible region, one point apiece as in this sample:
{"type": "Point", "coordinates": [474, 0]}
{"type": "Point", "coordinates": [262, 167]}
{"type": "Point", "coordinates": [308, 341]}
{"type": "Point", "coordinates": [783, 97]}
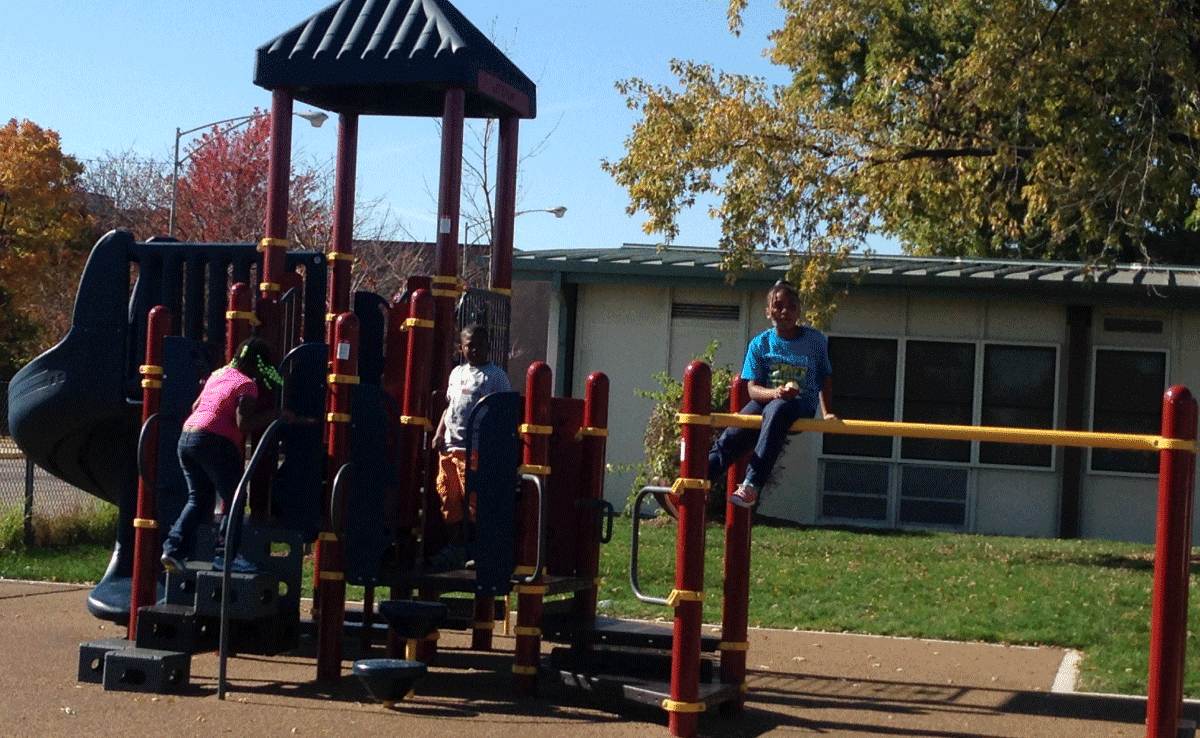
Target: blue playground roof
{"type": "Point", "coordinates": [394, 57]}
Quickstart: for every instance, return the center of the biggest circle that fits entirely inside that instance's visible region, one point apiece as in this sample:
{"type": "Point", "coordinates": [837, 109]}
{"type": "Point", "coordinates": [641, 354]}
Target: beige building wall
{"type": "Point", "coordinates": [628, 332]}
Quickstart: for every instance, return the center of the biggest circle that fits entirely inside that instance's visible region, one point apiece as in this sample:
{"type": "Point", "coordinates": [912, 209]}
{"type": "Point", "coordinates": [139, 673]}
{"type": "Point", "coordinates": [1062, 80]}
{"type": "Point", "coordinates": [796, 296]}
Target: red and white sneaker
{"type": "Point", "coordinates": [744, 496]}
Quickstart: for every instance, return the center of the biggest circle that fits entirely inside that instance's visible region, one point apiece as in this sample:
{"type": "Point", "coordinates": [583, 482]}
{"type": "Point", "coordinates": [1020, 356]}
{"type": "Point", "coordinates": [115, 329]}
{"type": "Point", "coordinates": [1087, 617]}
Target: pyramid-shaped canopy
{"type": "Point", "coordinates": [393, 57]}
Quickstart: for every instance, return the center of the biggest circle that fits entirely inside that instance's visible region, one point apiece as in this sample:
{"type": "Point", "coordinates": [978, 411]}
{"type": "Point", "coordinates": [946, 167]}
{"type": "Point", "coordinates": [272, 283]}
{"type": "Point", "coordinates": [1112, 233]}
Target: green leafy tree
{"type": "Point", "coordinates": [992, 128]}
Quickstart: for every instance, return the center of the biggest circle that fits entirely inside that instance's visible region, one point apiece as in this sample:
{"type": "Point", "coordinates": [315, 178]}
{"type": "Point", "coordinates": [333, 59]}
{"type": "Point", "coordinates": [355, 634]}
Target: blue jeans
{"type": "Point", "coordinates": [212, 464]}
{"type": "Point", "coordinates": [767, 443]}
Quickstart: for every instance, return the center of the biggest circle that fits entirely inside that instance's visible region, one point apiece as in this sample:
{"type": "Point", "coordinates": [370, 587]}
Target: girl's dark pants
{"type": "Point", "coordinates": [734, 443]}
{"type": "Point", "coordinates": [212, 465]}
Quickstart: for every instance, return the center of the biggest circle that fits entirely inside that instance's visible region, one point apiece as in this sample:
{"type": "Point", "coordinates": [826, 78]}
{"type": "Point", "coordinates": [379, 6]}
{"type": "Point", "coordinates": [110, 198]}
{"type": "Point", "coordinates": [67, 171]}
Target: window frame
{"type": "Point", "coordinates": [896, 462]}
{"type": "Point", "coordinates": [1091, 406]}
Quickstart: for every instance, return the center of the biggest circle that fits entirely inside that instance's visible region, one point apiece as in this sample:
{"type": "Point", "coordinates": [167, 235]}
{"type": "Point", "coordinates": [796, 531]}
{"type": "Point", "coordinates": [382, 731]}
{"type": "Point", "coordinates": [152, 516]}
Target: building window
{"type": "Point", "coordinates": [1127, 398]}
{"type": "Point", "coordinates": [855, 491]}
{"type": "Point", "coordinates": [864, 389]}
{"type": "Point", "coordinates": [939, 387]}
{"type": "Point", "coordinates": [933, 495]}
{"type": "Point", "coordinates": [1018, 392]}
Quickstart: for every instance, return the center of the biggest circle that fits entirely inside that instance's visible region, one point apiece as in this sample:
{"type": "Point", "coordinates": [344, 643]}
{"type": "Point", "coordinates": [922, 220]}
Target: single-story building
{"type": "Point", "coordinates": [966, 341]}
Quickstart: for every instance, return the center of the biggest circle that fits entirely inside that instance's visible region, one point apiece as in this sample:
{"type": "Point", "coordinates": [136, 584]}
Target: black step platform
{"type": "Point", "coordinates": [637, 688]}
{"type": "Point", "coordinates": [563, 628]}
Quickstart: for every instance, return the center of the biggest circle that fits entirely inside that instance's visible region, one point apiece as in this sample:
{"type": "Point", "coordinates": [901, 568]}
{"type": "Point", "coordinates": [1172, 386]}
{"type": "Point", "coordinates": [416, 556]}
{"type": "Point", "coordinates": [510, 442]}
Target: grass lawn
{"type": "Point", "coordinates": [1093, 596]}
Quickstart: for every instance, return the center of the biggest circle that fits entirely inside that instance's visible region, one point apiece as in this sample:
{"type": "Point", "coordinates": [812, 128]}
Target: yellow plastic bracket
{"type": "Point", "coordinates": [535, 430]}
{"type": "Point", "coordinates": [733, 646]}
{"type": "Point", "coordinates": [144, 523]}
{"type": "Point", "coordinates": [682, 483]}
{"type": "Point", "coordinates": [335, 255]}
{"type": "Point", "coordinates": [150, 369]}
{"type": "Point", "coordinates": [526, 630]}
{"type": "Point", "coordinates": [342, 379]}
{"type": "Point", "coordinates": [531, 589]}
{"type": "Point", "coordinates": [337, 417]}
{"type": "Point", "coordinates": [524, 670]}
{"type": "Point", "coordinates": [268, 286]}
{"type": "Point", "coordinates": [416, 323]}
{"type": "Point", "coordinates": [693, 419]}
{"type": "Point", "coordinates": [672, 706]}
{"type": "Point", "coordinates": [416, 420]}
{"type": "Point", "coordinates": [151, 383]}
{"type": "Point", "coordinates": [242, 315]}
{"type": "Point", "coordinates": [678, 596]}
{"type": "Point", "coordinates": [538, 469]}
{"type": "Point", "coordinates": [264, 243]}
{"type": "Point", "coordinates": [332, 576]}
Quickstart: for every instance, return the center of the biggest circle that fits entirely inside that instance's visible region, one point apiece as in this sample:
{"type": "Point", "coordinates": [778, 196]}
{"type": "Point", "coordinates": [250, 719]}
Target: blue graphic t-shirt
{"type": "Point", "coordinates": [772, 361]}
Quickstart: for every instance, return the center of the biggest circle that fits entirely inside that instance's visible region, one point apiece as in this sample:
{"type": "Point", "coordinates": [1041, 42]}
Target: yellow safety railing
{"type": "Point", "coordinates": [992, 434]}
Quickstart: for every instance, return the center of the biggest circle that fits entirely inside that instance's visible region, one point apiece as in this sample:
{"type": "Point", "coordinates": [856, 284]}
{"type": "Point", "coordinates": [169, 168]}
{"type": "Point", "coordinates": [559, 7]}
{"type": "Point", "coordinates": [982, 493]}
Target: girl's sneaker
{"type": "Point", "coordinates": [171, 564]}
{"type": "Point", "coordinates": [745, 495]}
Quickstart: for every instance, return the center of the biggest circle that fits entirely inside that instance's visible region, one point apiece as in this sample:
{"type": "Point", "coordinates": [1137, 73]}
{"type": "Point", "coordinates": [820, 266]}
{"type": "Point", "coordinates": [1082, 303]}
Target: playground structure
{"type": "Point", "coordinates": [103, 410]}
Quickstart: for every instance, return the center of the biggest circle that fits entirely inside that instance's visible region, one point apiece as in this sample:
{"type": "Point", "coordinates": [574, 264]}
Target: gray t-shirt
{"type": "Point", "coordinates": [465, 388]}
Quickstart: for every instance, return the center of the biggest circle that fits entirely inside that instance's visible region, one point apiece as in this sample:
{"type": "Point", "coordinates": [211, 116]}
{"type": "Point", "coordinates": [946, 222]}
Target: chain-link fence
{"type": "Point", "coordinates": [26, 487]}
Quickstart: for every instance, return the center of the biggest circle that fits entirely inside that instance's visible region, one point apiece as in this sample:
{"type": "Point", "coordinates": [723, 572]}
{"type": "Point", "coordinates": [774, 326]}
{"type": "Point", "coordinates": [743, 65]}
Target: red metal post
{"type": "Point", "coordinates": [591, 484]}
{"type": "Point", "coordinates": [146, 539]}
{"type": "Point", "coordinates": [239, 318]}
{"type": "Point", "coordinates": [507, 162]}
{"type": "Point", "coordinates": [529, 596]}
{"type": "Point", "coordinates": [736, 596]}
{"type": "Point", "coordinates": [274, 244]}
{"type": "Point", "coordinates": [341, 250]}
{"type": "Point", "coordinates": [687, 598]}
{"type": "Point", "coordinates": [1172, 564]}
{"type": "Point", "coordinates": [330, 551]}
{"type": "Point", "coordinates": [415, 422]}
{"type": "Point", "coordinates": [446, 282]}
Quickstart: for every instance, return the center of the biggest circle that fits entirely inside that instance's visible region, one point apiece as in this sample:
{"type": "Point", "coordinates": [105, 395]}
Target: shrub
{"type": "Point", "coordinates": [12, 530]}
{"type": "Point", "coordinates": [662, 431]}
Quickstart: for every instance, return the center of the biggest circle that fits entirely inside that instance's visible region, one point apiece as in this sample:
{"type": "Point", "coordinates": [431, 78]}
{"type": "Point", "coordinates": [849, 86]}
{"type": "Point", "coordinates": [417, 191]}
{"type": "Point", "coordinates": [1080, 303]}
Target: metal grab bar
{"type": "Point", "coordinates": [633, 545]}
{"type": "Point", "coordinates": [336, 522]}
{"type": "Point", "coordinates": [541, 547]}
{"type": "Point", "coordinates": [141, 456]}
{"type": "Point", "coordinates": [233, 524]}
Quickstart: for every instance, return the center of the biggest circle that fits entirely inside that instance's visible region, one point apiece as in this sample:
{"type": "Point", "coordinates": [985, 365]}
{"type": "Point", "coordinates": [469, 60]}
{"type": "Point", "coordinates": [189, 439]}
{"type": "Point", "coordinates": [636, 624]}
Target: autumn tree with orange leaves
{"type": "Point", "coordinates": [44, 234]}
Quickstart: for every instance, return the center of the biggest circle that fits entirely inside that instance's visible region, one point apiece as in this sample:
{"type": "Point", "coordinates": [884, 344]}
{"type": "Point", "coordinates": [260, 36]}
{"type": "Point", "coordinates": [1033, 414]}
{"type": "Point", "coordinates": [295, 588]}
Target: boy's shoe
{"type": "Point", "coordinates": [172, 564]}
{"type": "Point", "coordinates": [240, 565]}
{"type": "Point", "coordinates": [744, 496]}
{"type": "Point", "coordinates": [450, 557]}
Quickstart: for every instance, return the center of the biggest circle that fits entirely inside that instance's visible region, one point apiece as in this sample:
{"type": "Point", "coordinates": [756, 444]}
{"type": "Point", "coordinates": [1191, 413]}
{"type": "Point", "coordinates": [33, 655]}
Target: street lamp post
{"type": "Point", "coordinates": [316, 118]}
{"type": "Point", "coordinates": [557, 212]}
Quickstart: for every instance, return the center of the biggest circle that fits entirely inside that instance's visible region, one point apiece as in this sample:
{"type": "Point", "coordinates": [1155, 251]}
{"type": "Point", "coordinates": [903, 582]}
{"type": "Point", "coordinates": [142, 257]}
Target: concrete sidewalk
{"type": "Point", "coordinates": [800, 683]}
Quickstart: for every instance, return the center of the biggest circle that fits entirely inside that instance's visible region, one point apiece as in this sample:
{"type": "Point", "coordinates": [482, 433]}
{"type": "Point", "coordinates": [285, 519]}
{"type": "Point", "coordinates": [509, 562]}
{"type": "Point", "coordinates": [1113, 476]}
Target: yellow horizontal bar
{"type": "Point", "coordinates": [991, 434]}
{"type": "Point", "coordinates": [145, 523]}
{"type": "Point", "coordinates": [535, 469]}
{"type": "Point", "coordinates": [150, 369]}
{"type": "Point", "coordinates": [416, 323]}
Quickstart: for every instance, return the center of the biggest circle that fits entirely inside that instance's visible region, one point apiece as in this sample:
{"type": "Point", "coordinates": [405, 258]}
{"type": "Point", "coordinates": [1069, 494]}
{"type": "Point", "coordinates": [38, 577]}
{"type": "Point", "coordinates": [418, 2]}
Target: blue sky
{"type": "Point", "coordinates": [124, 74]}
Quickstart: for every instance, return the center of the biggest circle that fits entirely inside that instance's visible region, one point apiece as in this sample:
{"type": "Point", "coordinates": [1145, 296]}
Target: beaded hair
{"type": "Point", "coordinates": [254, 351]}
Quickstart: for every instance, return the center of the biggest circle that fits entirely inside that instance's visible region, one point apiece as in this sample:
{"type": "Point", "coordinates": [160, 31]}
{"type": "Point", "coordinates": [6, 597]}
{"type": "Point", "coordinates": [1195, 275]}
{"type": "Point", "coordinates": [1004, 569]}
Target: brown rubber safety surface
{"type": "Point", "coordinates": [800, 683]}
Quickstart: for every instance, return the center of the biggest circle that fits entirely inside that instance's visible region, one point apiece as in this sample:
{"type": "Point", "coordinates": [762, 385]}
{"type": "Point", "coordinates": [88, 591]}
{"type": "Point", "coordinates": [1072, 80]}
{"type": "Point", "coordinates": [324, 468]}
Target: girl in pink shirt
{"type": "Point", "coordinates": [210, 447]}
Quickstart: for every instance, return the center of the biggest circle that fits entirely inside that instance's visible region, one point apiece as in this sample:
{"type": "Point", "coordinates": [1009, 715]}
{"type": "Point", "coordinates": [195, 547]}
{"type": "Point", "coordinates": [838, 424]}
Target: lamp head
{"type": "Point", "coordinates": [315, 117]}
{"type": "Point", "coordinates": [559, 211]}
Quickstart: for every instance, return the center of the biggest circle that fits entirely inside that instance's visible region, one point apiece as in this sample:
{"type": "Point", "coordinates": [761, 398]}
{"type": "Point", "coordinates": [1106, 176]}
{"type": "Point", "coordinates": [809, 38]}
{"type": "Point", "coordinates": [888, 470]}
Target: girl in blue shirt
{"type": "Point", "coordinates": [789, 377]}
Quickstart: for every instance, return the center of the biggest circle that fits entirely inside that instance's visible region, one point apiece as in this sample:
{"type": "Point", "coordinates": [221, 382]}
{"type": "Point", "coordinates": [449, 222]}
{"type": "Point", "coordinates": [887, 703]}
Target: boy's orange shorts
{"type": "Point", "coordinates": [451, 485]}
